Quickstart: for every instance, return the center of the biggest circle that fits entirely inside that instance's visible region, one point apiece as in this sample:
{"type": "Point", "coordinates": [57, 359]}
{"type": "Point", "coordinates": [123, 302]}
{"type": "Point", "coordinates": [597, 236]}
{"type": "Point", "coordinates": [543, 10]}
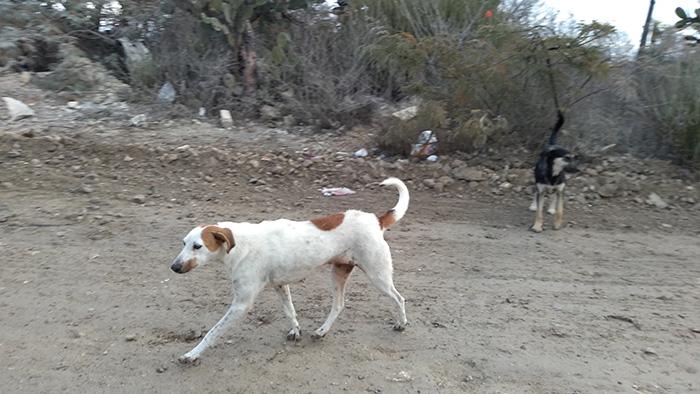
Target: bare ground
{"type": "Point", "coordinates": [88, 303]}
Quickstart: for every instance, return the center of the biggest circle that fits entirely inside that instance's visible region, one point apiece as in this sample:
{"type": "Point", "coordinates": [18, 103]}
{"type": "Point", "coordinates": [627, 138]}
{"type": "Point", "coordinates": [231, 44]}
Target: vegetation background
{"type": "Point", "coordinates": [484, 73]}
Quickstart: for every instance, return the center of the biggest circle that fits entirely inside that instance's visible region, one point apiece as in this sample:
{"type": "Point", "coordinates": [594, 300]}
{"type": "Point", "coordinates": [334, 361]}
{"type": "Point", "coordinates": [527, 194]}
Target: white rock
{"type": "Point", "coordinates": [166, 94]}
{"type": "Point", "coordinates": [406, 113]}
{"type": "Point", "coordinates": [138, 120]}
{"type": "Point", "coordinates": [655, 200]}
{"type": "Point", "coordinates": [18, 110]}
{"type": "Point", "coordinates": [226, 120]}
{"type": "Point", "coordinates": [361, 153]}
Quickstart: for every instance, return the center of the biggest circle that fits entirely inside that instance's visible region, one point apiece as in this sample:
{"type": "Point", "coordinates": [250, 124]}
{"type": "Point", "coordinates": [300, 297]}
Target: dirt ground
{"type": "Point", "coordinates": [91, 217]}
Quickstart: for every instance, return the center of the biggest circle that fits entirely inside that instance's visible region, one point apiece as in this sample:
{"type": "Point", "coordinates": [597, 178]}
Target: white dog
{"type": "Point", "coordinates": [283, 251]}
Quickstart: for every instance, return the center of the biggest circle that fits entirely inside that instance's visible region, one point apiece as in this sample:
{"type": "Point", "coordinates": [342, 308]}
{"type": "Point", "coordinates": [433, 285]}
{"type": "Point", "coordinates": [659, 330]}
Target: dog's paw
{"type": "Point", "coordinates": [188, 359]}
{"type": "Point", "coordinates": [317, 335]}
{"type": "Point", "coordinates": [294, 335]}
{"type": "Point", "coordinates": [557, 226]}
{"type": "Point", "coordinates": [400, 326]}
{"type": "Point", "coordinates": [537, 229]}
{"type": "Point", "coordinates": [551, 211]}
{"type": "Point", "coordinates": [532, 207]}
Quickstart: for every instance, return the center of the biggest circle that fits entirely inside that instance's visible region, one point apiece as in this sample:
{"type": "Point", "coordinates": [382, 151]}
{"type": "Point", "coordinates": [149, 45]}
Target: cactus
{"type": "Point", "coordinates": [230, 17]}
{"type": "Point", "coordinates": [686, 21]}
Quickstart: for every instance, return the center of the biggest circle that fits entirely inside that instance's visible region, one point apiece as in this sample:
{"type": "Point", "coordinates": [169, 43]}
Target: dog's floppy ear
{"type": "Point", "coordinates": [220, 236]}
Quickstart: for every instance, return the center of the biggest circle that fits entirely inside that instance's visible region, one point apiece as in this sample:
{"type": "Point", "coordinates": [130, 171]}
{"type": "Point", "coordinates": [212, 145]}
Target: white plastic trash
{"type": "Point", "coordinates": [336, 191]}
{"type": "Point", "coordinates": [426, 145]}
{"type": "Point", "coordinates": [361, 153]}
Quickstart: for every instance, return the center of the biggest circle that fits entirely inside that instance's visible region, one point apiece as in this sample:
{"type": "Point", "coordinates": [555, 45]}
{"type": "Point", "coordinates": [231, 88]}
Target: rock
{"type": "Point", "coordinates": [609, 190]}
{"type": "Point", "coordinates": [406, 113]}
{"type": "Point", "coordinates": [169, 157]}
{"type": "Point", "coordinates": [361, 153]}
{"type": "Point", "coordinates": [73, 104]}
{"type": "Point", "coordinates": [161, 369]}
{"type": "Point", "coordinates": [137, 56]}
{"type": "Point", "coordinates": [138, 120]}
{"type": "Point", "coordinates": [25, 77]}
{"type": "Point", "coordinates": [139, 199]}
{"type": "Point", "coordinates": [656, 201]}
{"type": "Point", "coordinates": [289, 121]}
{"type": "Point", "coordinates": [130, 338]}
{"type": "Point", "coordinates": [128, 158]}
{"type": "Point", "coordinates": [401, 376]}
{"type": "Point", "coordinates": [590, 171]}
{"type": "Point", "coordinates": [429, 183]}
{"type": "Point", "coordinates": [18, 110]}
{"type": "Point", "coordinates": [446, 180]}
{"type": "Point", "coordinates": [468, 174]}
{"type": "Point", "coordinates": [649, 351]}
{"type": "Point", "coordinates": [268, 112]}
{"type": "Point", "coordinates": [457, 163]}
{"type": "Point", "coordinates": [226, 120]}
{"type": "Point", "coordinates": [14, 154]}
{"type": "Point", "coordinates": [505, 186]}
{"type": "Point", "coordinates": [86, 189]}
{"type": "Point", "coordinates": [166, 94]}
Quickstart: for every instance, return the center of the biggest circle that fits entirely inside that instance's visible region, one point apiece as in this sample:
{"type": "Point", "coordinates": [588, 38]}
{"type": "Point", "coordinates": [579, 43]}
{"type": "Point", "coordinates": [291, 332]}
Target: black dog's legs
{"type": "Point", "coordinates": [539, 215]}
{"type": "Point", "coordinates": [559, 212]}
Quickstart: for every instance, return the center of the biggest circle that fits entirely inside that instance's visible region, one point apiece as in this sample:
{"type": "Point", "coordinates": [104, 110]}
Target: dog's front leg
{"type": "Point", "coordinates": [235, 312]}
{"type": "Point", "coordinates": [539, 216]}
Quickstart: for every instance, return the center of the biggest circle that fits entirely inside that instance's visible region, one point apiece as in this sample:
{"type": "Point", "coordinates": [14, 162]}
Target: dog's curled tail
{"type": "Point", "coordinates": [396, 213]}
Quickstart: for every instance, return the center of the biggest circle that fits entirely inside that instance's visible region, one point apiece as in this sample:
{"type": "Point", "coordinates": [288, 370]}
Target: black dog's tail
{"type": "Point", "coordinates": [556, 128]}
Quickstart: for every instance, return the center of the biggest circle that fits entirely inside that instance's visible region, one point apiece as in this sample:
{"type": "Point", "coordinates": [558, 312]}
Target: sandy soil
{"type": "Point", "coordinates": [88, 303]}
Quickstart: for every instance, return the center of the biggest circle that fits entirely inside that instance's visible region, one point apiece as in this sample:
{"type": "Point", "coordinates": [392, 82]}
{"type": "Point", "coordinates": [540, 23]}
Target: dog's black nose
{"type": "Point", "coordinates": [177, 267]}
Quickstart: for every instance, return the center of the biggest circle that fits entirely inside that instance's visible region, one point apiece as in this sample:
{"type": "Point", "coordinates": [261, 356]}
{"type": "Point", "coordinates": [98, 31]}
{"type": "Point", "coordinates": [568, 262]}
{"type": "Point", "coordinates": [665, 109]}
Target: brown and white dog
{"type": "Point", "coordinates": [282, 251]}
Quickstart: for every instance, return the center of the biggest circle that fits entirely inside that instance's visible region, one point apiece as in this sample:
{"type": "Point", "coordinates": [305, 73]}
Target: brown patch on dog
{"type": "Point", "coordinates": [189, 265]}
{"type": "Point", "coordinates": [386, 220]}
{"type": "Point", "coordinates": [328, 223]}
{"type": "Point", "coordinates": [215, 236]}
{"type": "Point", "coordinates": [345, 268]}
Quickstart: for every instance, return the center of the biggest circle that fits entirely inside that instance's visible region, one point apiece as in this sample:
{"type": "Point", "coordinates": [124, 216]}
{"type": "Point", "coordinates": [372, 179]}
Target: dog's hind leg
{"type": "Point", "coordinates": [559, 214]}
{"type": "Point", "coordinates": [533, 206]}
{"type": "Point", "coordinates": [379, 270]}
{"type": "Point", "coordinates": [553, 204]}
{"type": "Point", "coordinates": [539, 215]}
{"type": "Point", "coordinates": [340, 271]}
{"type": "Point", "coordinates": [285, 296]}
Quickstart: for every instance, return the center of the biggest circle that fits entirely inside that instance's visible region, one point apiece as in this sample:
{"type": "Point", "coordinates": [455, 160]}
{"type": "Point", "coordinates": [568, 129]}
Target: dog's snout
{"type": "Point", "coordinates": [177, 267]}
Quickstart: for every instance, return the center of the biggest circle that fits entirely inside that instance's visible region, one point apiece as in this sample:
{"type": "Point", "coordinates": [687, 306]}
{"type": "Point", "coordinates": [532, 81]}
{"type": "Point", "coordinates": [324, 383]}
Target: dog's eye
{"type": "Point", "coordinates": [196, 246]}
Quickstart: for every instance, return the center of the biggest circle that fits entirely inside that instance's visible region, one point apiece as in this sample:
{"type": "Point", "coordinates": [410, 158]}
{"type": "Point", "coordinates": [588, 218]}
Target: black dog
{"type": "Point", "coordinates": [550, 175]}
